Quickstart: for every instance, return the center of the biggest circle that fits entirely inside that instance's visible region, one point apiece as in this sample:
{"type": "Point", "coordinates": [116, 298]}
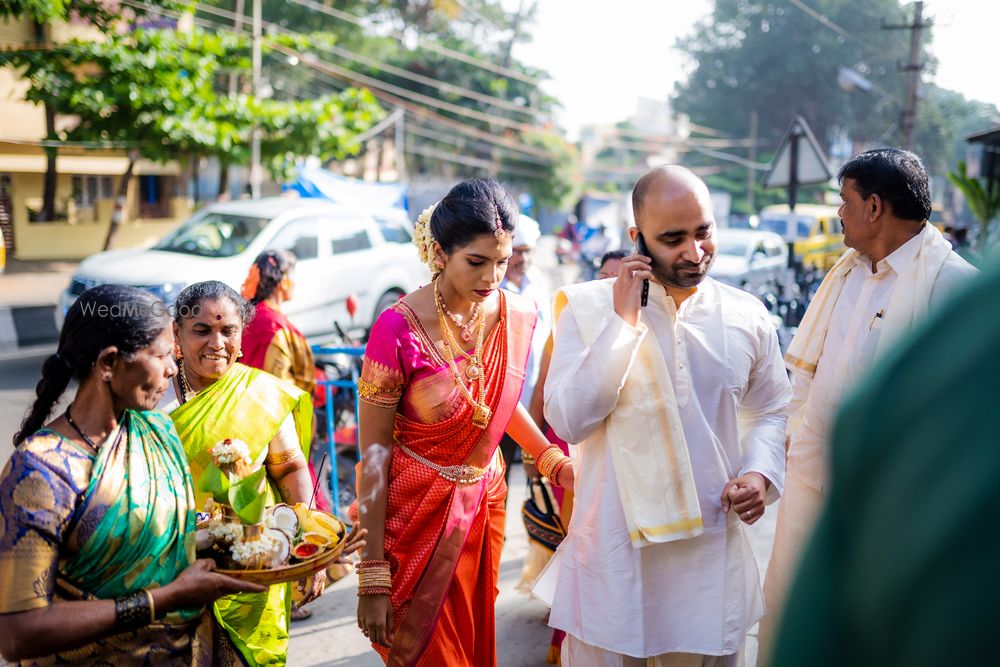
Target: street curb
{"type": "Point", "coordinates": [27, 326]}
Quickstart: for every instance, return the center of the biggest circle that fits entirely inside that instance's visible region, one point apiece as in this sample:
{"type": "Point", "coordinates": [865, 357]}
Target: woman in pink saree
{"type": "Point", "coordinates": [442, 375]}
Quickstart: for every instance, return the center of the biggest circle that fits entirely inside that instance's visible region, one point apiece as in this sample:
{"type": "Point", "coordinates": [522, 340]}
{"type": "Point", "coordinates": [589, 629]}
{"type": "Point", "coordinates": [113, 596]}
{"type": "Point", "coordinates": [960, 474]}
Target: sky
{"type": "Point", "coordinates": [602, 55]}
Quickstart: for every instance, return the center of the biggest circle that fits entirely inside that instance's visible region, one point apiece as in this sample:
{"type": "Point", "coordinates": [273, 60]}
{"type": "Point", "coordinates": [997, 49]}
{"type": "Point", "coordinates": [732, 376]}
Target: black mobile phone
{"type": "Point", "coordinates": [640, 245]}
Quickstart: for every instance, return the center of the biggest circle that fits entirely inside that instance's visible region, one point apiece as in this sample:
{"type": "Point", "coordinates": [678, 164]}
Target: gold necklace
{"type": "Point", "coordinates": [481, 414]}
{"type": "Point", "coordinates": [466, 327]}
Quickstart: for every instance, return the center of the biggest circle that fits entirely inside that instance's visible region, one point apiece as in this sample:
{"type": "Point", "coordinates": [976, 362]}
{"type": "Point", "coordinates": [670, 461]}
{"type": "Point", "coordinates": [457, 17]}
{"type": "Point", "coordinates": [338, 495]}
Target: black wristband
{"type": "Point", "coordinates": [132, 611]}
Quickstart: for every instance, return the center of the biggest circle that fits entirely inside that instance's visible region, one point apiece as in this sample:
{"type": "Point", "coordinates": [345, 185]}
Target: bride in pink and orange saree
{"type": "Point", "coordinates": [442, 376]}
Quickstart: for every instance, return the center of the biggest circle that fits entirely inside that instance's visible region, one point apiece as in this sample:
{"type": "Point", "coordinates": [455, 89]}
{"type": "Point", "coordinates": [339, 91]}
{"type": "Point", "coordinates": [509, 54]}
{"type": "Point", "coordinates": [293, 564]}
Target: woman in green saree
{"type": "Point", "coordinates": [214, 398]}
{"type": "Point", "coordinates": [97, 516]}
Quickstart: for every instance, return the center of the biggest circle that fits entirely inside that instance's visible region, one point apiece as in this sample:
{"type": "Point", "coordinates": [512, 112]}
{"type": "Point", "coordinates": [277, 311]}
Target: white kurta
{"type": "Point", "coordinates": [699, 595]}
{"type": "Point", "coordinates": [861, 311]}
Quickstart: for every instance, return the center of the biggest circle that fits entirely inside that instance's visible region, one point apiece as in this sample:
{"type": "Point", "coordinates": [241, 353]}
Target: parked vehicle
{"type": "Point", "coordinates": [339, 362]}
{"type": "Point", "coordinates": [814, 231]}
{"type": "Point", "coordinates": [342, 251]}
{"type": "Point", "coordinates": [749, 259]}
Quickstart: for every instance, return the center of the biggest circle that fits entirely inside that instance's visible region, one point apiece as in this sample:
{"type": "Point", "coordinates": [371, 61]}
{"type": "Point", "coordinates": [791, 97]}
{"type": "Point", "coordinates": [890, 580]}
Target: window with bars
{"type": "Point", "coordinates": [84, 191]}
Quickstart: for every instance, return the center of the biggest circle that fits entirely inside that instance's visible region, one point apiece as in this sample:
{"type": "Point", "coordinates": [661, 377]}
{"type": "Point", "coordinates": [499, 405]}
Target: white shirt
{"type": "Point", "coordinates": [535, 287]}
{"type": "Point", "coordinates": [698, 595]}
{"type": "Point", "coordinates": [849, 350]}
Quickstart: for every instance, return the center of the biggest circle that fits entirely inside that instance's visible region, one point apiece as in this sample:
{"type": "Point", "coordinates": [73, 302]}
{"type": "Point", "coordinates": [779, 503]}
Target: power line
{"type": "Point", "coordinates": [728, 157]}
{"type": "Point", "coordinates": [443, 86]}
{"type": "Point", "coordinates": [486, 165]}
{"type": "Point", "coordinates": [422, 113]}
{"type": "Point", "coordinates": [427, 115]}
{"type": "Point", "coordinates": [342, 74]}
{"type": "Point", "coordinates": [386, 122]}
{"type": "Point", "coordinates": [430, 45]}
{"type": "Point", "coordinates": [457, 141]}
{"type": "Point", "coordinates": [822, 19]}
{"type": "Point", "coordinates": [370, 82]}
{"type": "Point", "coordinates": [479, 17]}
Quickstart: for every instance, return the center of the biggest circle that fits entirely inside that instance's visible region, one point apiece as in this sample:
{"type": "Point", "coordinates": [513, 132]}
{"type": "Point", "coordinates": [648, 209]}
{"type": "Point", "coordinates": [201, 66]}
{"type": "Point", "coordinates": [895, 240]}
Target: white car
{"type": "Point", "coordinates": [749, 259]}
{"type": "Point", "coordinates": [341, 251]}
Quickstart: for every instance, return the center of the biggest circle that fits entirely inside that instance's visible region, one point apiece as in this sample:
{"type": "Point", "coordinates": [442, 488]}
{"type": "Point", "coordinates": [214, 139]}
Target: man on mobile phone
{"type": "Point", "coordinates": [679, 409]}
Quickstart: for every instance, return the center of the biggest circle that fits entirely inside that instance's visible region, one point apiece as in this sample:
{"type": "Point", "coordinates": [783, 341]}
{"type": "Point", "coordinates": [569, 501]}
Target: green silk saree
{"type": "Point", "coordinates": [250, 405]}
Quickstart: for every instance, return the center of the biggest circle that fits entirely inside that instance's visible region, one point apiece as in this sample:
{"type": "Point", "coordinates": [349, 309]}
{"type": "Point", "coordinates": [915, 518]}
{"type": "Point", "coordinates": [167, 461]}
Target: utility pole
{"type": "Point", "coordinates": [399, 140]}
{"type": "Point", "coordinates": [751, 174]}
{"type": "Point", "coordinates": [908, 118]}
{"type": "Point", "coordinates": [255, 169]}
{"type": "Point", "coordinates": [515, 32]}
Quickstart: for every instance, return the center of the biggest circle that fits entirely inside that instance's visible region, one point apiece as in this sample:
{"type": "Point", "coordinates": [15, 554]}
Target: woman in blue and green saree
{"type": "Point", "coordinates": [97, 516]}
{"type": "Point", "coordinates": [214, 397]}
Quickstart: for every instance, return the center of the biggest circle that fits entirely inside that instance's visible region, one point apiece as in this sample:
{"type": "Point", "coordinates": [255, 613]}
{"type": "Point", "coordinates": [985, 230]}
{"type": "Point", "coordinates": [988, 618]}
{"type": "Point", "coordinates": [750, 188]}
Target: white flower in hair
{"type": "Point", "coordinates": [423, 239]}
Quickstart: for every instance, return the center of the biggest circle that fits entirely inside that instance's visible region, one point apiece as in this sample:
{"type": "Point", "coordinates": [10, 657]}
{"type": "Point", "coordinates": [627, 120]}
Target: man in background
{"type": "Point", "coordinates": [897, 268]}
{"type": "Point", "coordinates": [525, 279]}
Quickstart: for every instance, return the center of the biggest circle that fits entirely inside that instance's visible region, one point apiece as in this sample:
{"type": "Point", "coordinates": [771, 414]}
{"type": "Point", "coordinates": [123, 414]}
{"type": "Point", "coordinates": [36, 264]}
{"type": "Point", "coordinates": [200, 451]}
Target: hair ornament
{"type": "Point", "coordinates": [423, 239]}
{"type": "Point", "coordinates": [249, 289]}
{"type": "Point", "coordinates": [498, 230]}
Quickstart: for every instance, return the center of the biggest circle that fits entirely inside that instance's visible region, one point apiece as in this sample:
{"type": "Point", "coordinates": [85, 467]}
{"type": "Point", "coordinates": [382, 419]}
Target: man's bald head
{"type": "Point", "coordinates": [668, 182]}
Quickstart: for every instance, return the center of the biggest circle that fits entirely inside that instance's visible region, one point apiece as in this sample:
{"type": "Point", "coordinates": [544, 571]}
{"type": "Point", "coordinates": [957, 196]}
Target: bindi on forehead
{"type": "Point", "coordinates": [218, 317]}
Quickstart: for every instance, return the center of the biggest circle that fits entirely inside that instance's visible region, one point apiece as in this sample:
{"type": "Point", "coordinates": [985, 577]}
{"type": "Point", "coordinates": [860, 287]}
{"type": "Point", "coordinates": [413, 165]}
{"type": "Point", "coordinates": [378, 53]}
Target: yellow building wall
{"type": "Point", "coordinates": [83, 235]}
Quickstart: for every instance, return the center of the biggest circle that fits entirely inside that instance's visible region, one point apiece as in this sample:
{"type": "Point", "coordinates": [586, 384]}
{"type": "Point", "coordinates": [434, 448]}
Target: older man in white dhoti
{"type": "Point", "coordinates": [897, 268]}
{"type": "Point", "coordinates": [679, 409]}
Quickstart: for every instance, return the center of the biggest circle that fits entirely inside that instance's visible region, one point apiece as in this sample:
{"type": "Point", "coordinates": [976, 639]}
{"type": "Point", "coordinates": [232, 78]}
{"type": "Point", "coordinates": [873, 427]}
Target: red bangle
{"type": "Point", "coordinates": [557, 468]}
{"type": "Point", "coordinates": [374, 590]}
{"type": "Point", "coordinates": [371, 563]}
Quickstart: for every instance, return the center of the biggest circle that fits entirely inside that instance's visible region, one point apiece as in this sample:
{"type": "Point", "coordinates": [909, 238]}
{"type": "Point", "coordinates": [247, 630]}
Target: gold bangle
{"type": "Point", "coordinates": [152, 606]}
{"type": "Point", "coordinates": [527, 458]}
{"type": "Point", "coordinates": [547, 460]}
{"type": "Point", "coordinates": [282, 457]}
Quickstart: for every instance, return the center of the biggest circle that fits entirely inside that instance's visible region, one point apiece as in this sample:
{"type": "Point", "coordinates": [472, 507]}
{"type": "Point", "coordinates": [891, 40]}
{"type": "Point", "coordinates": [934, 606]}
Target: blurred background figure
{"type": "Point", "coordinates": [568, 242]}
{"type": "Point", "coordinates": [610, 263]}
{"type": "Point", "coordinates": [525, 279]}
{"type": "Point", "coordinates": [599, 241]}
{"type": "Point", "coordinates": [902, 567]}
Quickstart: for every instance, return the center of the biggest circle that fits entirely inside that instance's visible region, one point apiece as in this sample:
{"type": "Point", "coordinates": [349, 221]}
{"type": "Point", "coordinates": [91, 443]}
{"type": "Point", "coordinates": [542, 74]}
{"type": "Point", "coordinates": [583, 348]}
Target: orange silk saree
{"type": "Point", "coordinates": [442, 538]}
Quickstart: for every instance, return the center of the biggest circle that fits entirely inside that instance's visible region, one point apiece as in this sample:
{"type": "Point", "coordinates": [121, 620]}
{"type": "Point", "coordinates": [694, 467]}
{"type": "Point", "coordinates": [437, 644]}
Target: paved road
{"type": "Point", "coordinates": [19, 372]}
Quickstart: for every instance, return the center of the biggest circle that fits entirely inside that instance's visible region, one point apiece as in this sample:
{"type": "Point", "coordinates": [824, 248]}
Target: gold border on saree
{"type": "Point", "coordinates": [460, 474]}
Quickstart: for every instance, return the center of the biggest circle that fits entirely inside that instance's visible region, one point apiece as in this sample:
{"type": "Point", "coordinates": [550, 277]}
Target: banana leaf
{"type": "Point", "coordinates": [216, 482]}
{"type": "Point", "coordinates": [247, 497]}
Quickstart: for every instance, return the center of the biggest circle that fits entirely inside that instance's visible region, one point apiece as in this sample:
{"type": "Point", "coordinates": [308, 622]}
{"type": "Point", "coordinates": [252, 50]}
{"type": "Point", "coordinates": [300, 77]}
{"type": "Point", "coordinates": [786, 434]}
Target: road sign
{"type": "Point", "coordinates": [798, 161]}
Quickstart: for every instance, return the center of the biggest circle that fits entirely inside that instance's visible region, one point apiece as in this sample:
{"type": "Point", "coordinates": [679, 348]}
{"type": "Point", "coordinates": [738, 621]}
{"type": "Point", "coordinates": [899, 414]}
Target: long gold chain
{"type": "Point", "coordinates": [475, 370]}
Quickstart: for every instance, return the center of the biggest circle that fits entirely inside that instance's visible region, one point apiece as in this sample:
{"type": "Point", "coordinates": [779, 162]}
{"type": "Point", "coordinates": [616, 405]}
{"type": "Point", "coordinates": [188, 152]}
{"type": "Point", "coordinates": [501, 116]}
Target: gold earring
{"type": "Point", "coordinates": [439, 263]}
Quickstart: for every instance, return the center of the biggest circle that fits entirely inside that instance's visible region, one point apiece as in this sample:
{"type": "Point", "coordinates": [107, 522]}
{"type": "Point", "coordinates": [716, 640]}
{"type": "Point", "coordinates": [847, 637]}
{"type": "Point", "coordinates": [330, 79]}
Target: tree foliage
{"type": "Point", "coordinates": [156, 90]}
{"type": "Point", "coordinates": [985, 205]}
{"type": "Point", "coordinates": [389, 52]}
{"type": "Point", "coordinates": [775, 59]}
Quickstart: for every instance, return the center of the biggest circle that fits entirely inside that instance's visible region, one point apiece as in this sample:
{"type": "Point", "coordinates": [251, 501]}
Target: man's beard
{"type": "Point", "coordinates": [676, 274]}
